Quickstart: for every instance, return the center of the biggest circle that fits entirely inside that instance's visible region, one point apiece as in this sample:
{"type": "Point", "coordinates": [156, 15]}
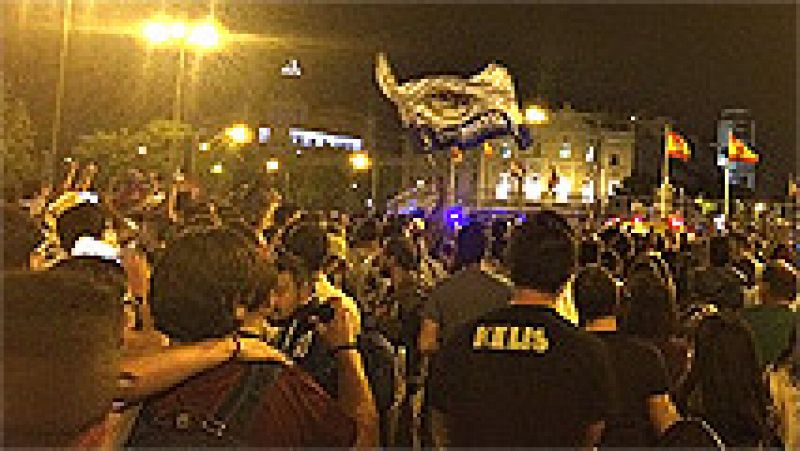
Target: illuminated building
{"type": "Point", "coordinates": [575, 158]}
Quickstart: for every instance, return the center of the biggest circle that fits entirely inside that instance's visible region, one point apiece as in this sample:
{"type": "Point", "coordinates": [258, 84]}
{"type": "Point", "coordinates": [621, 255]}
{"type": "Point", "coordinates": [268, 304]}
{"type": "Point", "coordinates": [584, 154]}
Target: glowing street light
{"type": "Point", "coordinates": [536, 115]}
{"type": "Point", "coordinates": [239, 134]}
{"type": "Point", "coordinates": [142, 150]}
{"type": "Point", "coordinates": [204, 147]}
{"type": "Point", "coordinates": [273, 165]}
{"type": "Point", "coordinates": [360, 161]}
{"type": "Point", "coordinates": [156, 32]}
{"type": "Point", "coordinates": [205, 35]}
{"type": "Point", "coordinates": [216, 169]}
{"type": "Point", "coordinates": [202, 35]}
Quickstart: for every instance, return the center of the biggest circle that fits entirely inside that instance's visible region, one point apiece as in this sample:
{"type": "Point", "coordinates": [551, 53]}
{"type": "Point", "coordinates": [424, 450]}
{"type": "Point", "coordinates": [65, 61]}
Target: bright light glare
{"type": "Point", "coordinates": [156, 32]}
{"type": "Point", "coordinates": [216, 169]}
{"type": "Point", "coordinates": [273, 165]}
{"type": "Point", "coordinates": [536, 115]}
{"type": "Point", "coordinates": [360, 161]}
{"type": "Point", "coordinates": [177, 30]}
{"type": "Point", "coordinates": [142, 150]}
{"type": "Point", "coordinates": [204, 147]}
{"type": "Point", "coordinates": [205, 35]}
{"type": "Point", "coordinates": [239, 134]}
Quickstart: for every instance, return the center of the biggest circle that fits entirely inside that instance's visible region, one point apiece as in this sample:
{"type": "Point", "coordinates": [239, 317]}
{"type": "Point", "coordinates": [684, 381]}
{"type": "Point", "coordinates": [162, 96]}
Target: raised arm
{"type": "Point", "coordinates": [355, 396]}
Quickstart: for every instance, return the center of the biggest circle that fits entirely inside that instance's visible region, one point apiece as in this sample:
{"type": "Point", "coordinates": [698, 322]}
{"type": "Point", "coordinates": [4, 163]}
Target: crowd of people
{"type": "Point", "coordinates": [146, 314]}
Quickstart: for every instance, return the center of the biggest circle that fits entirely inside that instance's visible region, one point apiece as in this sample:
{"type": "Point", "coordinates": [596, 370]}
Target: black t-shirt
{"type": "Point", "coordinates": [521, 376]}
{"type": "Point", "coordinates": [640, 373]}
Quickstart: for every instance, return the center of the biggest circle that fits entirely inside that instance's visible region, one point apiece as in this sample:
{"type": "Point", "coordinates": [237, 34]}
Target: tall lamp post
{"type": "Point", "coordinates": [360, 162]}
{"type": "Point", "coordinates": [200, 37]}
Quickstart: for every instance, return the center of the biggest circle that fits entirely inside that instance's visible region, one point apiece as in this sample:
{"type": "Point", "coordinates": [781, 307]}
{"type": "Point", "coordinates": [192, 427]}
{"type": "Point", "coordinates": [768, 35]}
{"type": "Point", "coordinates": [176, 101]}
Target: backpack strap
{"type": "Point", "coordinates": [243, 397]}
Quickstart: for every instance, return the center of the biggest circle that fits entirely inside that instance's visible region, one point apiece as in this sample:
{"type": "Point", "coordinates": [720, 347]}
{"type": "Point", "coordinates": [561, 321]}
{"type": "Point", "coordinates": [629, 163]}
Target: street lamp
{"type": "Point", "coordinates": [202, 36]}
{"type": "Point", "coordinates": [273, 165]}
{"type": "Point", "coordinates": [239, 134]}
{"type": "Point", "coordinates": [360, 161]}
{"type": "Point", "coordinates": [535, 115]}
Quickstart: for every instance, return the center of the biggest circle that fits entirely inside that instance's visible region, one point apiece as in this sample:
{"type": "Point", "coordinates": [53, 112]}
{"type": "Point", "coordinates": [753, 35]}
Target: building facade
{"type": "Point", "coordinates": [576, 158]}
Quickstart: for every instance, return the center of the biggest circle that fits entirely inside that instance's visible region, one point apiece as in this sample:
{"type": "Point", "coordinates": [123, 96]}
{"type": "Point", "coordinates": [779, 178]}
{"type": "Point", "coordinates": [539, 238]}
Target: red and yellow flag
{"type": "Point", "coordinates": [738, 150]}
{"type": "Point", "coordinates": [677, 146]}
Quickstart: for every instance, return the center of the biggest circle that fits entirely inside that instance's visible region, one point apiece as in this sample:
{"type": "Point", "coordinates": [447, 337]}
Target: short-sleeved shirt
{"type": "Point", "coordinates": [772, 326]}
{"type": "Point", "coordinates": [464, 297]}
{"type": "Point", "coordinates": [521, 376]}
{"type": "Point", "coordinates": [640, 373]}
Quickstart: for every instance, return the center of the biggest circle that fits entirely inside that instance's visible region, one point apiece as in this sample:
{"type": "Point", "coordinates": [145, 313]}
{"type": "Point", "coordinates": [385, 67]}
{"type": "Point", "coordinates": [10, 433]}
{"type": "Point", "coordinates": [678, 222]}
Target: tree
{"type": "Point", "coordinates": [22, 163]}
{"type": "Point", "coordinates": [158, 147]}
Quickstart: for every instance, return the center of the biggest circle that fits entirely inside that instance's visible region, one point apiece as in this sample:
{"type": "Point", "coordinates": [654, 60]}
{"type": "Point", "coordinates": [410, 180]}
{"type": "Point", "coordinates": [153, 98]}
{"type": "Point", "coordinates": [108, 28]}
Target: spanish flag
{"type": "Point", "coordinates": [677, 146]}
{"type": "Point", "coordinates": [738, 150]}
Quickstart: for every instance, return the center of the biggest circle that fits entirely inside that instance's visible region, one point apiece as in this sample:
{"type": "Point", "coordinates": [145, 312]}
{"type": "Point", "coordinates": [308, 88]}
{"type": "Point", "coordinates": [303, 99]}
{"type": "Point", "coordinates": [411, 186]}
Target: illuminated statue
{"type": "Point", "coordinates": [447, 111]}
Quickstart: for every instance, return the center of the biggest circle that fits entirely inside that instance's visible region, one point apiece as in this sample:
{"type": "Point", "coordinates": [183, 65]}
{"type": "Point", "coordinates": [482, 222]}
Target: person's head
{"type": "Point", "coordinates": [727, 365]}
{"type": "Point", "coordinates": [84, 220]}
{"type": "Point", "coordinates": [596, 294]}
{"type": "Point", "coordinates": [651, 309]}
{"type": "Point", "coordinates": [20, 235]}
{"type": "Point", "coordinates": [541, 253]}
{"type": "Point", "coordinates": [719, 251]}
{"type": "Point", "coordinates": [402, 258]}
{"type": "Point", "coordinates": [293, 287]}
{"type": "Point", "coordinates": [778, 283]}
{"type": "Point", "coordinates": [589, 252]}
{"type": "Point", "coordinates": [202, 280]}
{"type": "Point", "coordinates": [61, 355]}
{"type": "Point", "coordinates": [470, 245]}
{"type": "Point", "coordinates": [308, 242]}
{"type": "Point", "coordinates": [367, 235]}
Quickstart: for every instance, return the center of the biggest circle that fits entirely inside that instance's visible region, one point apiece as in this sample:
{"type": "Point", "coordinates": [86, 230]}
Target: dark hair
{"type": "Point", "coordinates": [541, 253]}
{"type": "Point", "coordinates": [719, 251]}
{"type": "Point", "coordinates": [308, 242]}
{"type": "Point", "coordinates": [366, 232]}
{"type": "Point", "coordinates": [595, 294]}
{"type": "Point", "coordinates": [62, 338]}
{"type": "Point", "coordinates": [282, 214]}
{"type": "Point", "coordinates": [86, 219]}
{"type": "Point", "coordinates": [20, 235]}
{"type": "Point", "coordinates": [199, 280]}
{"type": "Point", "coordinates": [588, 252]}
{"type": "Point", "coordinates": [403, 253]}
{"type": "Point", "coordinates": [732, 393]}
{"type": "Point", "coordinates": [470, 245]}
{"type": "Point", "coordinates": [780, 283]}
{"type": "Point", "coordinates": [651, 309]}
{"type": "Point", "coordinates": [288, 263]}
{"type": "Point", "coordinates": [102, 272]}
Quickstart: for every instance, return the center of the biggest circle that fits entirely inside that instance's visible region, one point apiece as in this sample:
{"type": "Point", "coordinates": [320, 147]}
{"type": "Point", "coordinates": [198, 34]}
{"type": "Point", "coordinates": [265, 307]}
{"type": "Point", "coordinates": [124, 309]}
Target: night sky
{"type": "Point", "coordinates": [686, 62]}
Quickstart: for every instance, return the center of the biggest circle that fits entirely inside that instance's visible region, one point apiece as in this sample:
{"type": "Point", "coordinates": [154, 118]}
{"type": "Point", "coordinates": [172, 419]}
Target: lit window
{"type": "Point", "coordinates": [563, 189]}
{"type": "Point", "coordinates": [506, 151]}
{"type": "Point", "coordinates": [590, 154]}
{"type": "Point", "coordinates": [612, 186]}
{"type": "Point", "coordinates": [587, 192]}
{"type": "Point", "coordinates": [532, 187]}
{"type": "Point", "coordinates": [263, 134]}
{"type": "Point", "coordinates": [566, 150]}
{"type": "Point", "coordinates": [503, 186]}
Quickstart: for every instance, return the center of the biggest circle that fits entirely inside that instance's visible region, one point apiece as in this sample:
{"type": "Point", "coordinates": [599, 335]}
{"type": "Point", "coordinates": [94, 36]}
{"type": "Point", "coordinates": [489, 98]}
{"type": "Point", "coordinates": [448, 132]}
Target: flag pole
{"type": "Point", "coordinates": [727, 188]}
{"type": "Point", "coordinates": [665, 172]}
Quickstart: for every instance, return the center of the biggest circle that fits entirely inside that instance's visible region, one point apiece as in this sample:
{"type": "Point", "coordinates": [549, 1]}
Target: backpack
{"type": "Point", "coordinates": [225, 426]}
